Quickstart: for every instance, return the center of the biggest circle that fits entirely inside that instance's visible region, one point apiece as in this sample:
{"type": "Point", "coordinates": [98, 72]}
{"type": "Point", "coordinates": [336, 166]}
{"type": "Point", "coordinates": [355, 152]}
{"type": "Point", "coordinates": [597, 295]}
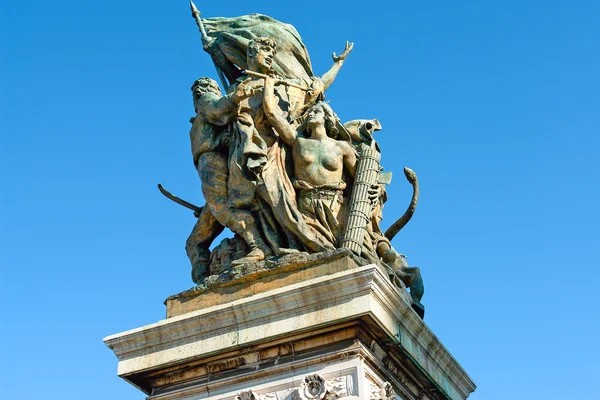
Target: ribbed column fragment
{"type": "Point", "coordinates": [359, 214]}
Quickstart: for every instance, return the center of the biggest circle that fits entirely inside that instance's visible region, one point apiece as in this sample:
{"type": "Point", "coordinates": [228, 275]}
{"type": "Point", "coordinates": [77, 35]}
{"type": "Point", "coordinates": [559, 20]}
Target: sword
{"type": "Point", "coordinates": [197, 210]}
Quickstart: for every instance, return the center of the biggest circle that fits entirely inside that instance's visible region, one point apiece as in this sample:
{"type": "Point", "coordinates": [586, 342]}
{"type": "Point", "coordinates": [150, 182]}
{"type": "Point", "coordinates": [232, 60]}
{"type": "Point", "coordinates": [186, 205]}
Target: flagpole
{"type": "Point", "coordinates": [196, 15]}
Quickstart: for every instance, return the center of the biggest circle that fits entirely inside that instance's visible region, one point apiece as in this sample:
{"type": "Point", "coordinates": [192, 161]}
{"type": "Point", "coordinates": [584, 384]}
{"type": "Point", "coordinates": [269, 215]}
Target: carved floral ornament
{"type": "Point", "coordinates": [313, 387]}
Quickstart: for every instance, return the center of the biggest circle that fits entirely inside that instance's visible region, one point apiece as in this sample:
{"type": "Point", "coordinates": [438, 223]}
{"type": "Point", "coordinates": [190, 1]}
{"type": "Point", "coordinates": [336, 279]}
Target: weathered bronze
{"type": "Point", "coordinates": [282, 81]}
{"type": "Point", "coordinates": [197, 210]}
{"type": "Point", "coordinates": [277, 166]}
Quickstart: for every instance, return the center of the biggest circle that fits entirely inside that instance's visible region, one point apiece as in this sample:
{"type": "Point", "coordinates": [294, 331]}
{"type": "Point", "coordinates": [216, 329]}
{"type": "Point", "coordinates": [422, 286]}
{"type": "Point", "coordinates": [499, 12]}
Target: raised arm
{"type": "Point", "coordinates": [338, 61]}
{"type": "Point", "coordinates": [282, 127]}
{"type": "Point", "coordinates": [217, 110]}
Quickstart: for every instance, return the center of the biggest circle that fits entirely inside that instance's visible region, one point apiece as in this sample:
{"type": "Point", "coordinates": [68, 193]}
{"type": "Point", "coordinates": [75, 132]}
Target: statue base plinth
{"type": "Point", "coordinates": [322, 330]}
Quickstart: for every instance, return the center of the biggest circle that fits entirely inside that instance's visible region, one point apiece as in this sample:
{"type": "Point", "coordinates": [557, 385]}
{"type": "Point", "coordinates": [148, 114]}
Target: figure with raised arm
{"type": "Point", "coordinates": [258, 164]}
{"type": "Point", "coordinates": [210, 136]}
{"type": "Point", "coordinates": [319, 161]}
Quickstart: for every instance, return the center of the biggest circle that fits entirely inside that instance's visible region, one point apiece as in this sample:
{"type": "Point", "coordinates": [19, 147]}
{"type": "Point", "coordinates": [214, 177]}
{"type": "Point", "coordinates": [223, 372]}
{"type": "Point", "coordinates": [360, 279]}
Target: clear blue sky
{"type": "Point", "coordinates": [495, 105]}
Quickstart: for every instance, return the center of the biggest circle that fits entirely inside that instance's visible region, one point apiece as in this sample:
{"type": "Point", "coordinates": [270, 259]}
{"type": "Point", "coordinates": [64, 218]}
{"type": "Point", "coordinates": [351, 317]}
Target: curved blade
{"type": "Point", "coordinates": [177, 200]}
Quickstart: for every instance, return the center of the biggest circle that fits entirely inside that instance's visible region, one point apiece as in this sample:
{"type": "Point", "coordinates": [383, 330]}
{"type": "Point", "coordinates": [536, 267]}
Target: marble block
{"type": "Point", "coordinates": [329, 330]}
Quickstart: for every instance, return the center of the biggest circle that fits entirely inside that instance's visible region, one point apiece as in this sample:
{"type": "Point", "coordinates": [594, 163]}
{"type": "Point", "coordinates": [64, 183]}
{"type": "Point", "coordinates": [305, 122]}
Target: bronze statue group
{"type": "Point", "coordinates": [277, 166]}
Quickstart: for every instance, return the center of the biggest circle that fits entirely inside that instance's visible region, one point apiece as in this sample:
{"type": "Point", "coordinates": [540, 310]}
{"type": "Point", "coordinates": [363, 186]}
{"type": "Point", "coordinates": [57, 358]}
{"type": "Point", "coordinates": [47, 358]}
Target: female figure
{"type": "Point", "coordinates": [320, 162]}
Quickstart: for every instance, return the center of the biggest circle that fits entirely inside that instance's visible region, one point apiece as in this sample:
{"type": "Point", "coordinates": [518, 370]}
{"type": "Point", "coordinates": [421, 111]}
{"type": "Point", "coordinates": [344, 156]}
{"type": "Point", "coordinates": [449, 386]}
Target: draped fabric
{"type": "Point", "coordinates": [278, 192]}
{"type": "Point", "coordinates": [231, 37]}
{"type": "Point", "coordinates": [294, 215]}
{"type": "Point", "coordinates": [323, 207]}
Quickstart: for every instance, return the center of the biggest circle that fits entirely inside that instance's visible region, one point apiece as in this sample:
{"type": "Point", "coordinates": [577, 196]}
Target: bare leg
{"type": "Point", "coordinates": [207, 228]}
{"type": "Point", "coordinates": [213, 170]}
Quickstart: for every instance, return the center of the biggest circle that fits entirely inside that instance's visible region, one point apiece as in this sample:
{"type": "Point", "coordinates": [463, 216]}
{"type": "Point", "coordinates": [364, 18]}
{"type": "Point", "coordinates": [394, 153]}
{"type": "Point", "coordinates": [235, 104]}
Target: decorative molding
{"type": "Point", "coordinates": [316, 387]}
{"type": "Point", "coordinates": [286, 394]}
{"type": "Point", "coordinates": [342, 386]}
{"type": "Point", "coordinates": [248, 395]}
{"type": "Point", "coordinates": [360, 294]}
{"type": "Point", "coordinates": [383, 392]}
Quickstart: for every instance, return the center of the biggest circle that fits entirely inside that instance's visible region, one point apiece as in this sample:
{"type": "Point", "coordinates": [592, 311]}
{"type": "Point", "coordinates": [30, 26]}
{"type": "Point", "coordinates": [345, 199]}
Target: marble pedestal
{"type": "Point", "coordinates": [322, 330]}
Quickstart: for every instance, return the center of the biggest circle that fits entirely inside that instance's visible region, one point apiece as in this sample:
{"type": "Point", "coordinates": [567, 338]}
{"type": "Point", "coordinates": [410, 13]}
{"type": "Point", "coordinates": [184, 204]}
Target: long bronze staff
{"type": "Point", "coordinates": [196, 15]}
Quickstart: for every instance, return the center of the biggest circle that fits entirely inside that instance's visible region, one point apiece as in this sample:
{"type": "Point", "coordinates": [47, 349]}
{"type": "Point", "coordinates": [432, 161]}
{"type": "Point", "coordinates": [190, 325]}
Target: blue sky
{"type": "Point", "coordinates": [494, 104]}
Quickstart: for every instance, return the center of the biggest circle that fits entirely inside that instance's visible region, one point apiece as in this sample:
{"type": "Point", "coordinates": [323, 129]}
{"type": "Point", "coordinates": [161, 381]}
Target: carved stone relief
{"type": "Point", "coordinates": [316, 387]}
{"type": "Point", "coordinates": [313, 387]}
{"type": "Point", "coordinates": [248, 395]}
{"type": "Point", "coordinates": [381, 392]}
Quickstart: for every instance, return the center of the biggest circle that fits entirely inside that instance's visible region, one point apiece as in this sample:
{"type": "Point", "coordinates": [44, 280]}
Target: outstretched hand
{"type": "Point", "coordinates": [347, 50]}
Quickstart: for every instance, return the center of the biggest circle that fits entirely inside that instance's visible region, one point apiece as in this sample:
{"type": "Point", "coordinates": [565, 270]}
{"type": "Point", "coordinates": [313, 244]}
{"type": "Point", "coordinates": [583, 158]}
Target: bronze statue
{"type": "Point", "coordinates": [319, 164]}
{"type": "Point", "coordinates": [210, 139]}
{"type": "Point", "coordinates": [277, 166]}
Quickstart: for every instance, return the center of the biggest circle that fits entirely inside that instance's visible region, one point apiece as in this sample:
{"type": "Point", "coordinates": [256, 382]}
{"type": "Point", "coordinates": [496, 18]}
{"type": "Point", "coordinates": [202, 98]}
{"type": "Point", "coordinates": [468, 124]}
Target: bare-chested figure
{"type": "Point", "coordinates": [320, 162]}
{"type": "Point", "coordinates": [209, 138]}
{"type": "Point", "coordinates": [258, 176]}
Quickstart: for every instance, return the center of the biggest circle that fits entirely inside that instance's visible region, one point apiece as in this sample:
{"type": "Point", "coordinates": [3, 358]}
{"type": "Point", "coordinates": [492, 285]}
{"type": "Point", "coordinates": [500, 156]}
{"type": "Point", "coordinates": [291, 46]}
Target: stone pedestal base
{"type": "Point", "coordinates": [332, 330]}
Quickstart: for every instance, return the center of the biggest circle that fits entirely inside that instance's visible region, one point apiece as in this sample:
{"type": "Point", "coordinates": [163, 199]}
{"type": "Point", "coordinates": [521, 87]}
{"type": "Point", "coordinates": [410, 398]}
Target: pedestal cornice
{"type": "Point", "coordinates": [360, 300]}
